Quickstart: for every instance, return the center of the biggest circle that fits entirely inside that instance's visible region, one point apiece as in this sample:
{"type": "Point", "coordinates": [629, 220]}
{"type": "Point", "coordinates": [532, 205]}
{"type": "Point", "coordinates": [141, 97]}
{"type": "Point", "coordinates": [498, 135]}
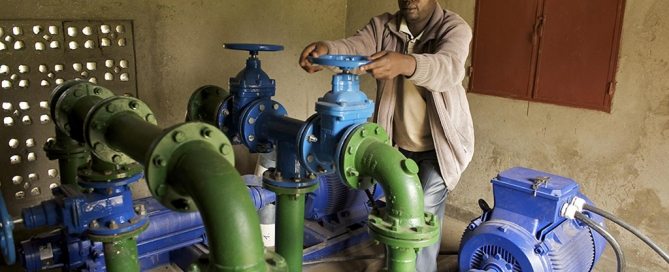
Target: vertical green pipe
{"type": "Point", "coordinates": [290, 228]}
{"type": "Point", "coordinates": [230, 219]}
{"type": "Point", "coordinates": [72, 157]}
{"type": "Point", "coordinates": [400, 258]}
{"type": "Point", "coordinates": [121, 255]}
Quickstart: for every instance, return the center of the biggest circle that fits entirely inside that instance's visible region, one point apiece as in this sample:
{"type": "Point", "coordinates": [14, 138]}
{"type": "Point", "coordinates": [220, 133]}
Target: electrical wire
{"type": "Point", "coordinates": [612, 241]}
{"type": "Point", "coordinates": [630, 228]}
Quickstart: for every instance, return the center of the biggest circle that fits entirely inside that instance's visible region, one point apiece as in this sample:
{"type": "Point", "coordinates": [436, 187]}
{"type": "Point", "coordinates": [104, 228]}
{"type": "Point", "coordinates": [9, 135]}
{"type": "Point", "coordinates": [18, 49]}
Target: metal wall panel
{"type": "Point", "coordinates": [35, 56]}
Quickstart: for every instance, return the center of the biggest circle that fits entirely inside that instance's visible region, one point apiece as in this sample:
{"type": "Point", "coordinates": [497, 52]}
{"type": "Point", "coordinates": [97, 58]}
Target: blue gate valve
{"type": "Point", "coordinates": [340, 108]}
{"type": "Point", "coordinates": [250, 84]}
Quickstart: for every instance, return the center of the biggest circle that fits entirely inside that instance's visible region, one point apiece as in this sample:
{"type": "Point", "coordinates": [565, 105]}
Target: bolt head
{"type": "Point", "coordinates": [160, 162]}
{"type": "Point", "coordinates": [111, 108]}
{"type": "Point", "coordinates": [116, 159]}
{"type": "Point", "coordinates": [226, 149]}
{"type": "Point", "coordinates": [178, 137]}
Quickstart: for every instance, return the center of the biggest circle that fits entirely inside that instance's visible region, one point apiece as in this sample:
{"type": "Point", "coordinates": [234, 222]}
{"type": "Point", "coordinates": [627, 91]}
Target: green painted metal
{"type": "Point", "coordinates": [70, 155]}
{"type": "Point", "coordinates": [103, 114]}
{"type": "Point", "coordinates": [121, 255]}
{"type": "Point", "coordinates": [290, 227]}
{"type": "Point", "coordinates": [290, 218]}
{"type": "Point", "coordinates": [204, 104]}
{"type": "Point", "coordinates": [400, 259]}
{"type": "Point", "coordinates": [402, 225]}
{"type": "Point", "coordinates": [232, 224]}
{"type": "Point", "coordinates": [69, 111]}
{"type": "Point", "coordinates": [188, 166]}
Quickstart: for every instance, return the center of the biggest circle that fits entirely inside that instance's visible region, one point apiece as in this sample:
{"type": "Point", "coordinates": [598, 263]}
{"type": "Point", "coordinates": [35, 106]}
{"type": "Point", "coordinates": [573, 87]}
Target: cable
{"type": "Point", "coordinates": [345, 259]}
{"type": "Point", "coordinates": [630, 228]}
{"type": "Point", "coordinates": [612, 241]}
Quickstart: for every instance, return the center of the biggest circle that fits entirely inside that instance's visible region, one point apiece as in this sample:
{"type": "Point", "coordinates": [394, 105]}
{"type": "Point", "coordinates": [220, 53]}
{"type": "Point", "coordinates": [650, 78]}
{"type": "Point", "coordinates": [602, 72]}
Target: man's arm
{"type": "Point", "coordinates": [362, 43]}
{"type": "Point", "coordinates": [446, 67]}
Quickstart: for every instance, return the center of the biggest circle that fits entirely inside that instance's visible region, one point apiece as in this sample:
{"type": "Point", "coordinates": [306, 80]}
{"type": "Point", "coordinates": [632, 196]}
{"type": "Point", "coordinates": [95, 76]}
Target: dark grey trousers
{"type": "Point", "coordinates": [435, 193]}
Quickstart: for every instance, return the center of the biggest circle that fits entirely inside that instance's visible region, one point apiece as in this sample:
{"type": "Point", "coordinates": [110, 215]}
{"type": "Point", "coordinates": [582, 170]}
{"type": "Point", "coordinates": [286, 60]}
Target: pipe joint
{"type": "Point", "coordinates": [164, 150]}
{"type": "Point", "coordinates": [66, 105]}
{"type": "Point", "coordinates": [99, 119]}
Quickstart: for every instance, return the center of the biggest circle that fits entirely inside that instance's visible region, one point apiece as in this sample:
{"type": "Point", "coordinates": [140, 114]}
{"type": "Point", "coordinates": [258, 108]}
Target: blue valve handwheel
{"type": "Point", "coordinates": [344, 62]}
{"type": "Point", "coordinates": [6, 234]}
{"type": "Point", "coordinates": [252, 47]}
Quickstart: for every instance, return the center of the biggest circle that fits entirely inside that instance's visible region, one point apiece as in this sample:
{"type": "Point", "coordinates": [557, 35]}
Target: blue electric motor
{"type": "Point", "coordinates": [526, 232]}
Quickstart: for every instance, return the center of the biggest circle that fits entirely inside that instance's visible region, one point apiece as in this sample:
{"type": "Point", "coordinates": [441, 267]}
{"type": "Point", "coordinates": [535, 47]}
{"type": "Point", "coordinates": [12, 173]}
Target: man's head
{"type": "Point", "coordinates": [416, 11]}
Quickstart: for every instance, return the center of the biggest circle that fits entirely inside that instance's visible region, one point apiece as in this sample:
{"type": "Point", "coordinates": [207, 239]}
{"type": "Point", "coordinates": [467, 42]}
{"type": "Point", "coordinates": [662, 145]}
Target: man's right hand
{"type": "Point", "coordinates": [315, 50]}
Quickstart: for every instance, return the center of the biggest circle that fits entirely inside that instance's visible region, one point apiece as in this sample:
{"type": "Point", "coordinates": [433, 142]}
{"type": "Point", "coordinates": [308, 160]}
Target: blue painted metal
{"type": "Point", "coordinates": [106, 210]}
{"type": "Point", "coordinates": [340, 108]}
{"type": "Point", "coordinates": [335, 205]}
{"type": "Point", "coordinates": [525, 232]}
{"type": "Point", "coordinates": [168, 231]}
{"type": "Point", "coordinates": [6, 235]}
{"type": "Point", "coordinates": [250, 84]}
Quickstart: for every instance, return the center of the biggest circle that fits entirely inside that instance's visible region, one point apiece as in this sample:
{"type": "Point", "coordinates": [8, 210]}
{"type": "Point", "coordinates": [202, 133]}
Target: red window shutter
{"type": "Point", "coordinates": [503, 52]}
{"type": "Point", "coordinates": [578, 52]}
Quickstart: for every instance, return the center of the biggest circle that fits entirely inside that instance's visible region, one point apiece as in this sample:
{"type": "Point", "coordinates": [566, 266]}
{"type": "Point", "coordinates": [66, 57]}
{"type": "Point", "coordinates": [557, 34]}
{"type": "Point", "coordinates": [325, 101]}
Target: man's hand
{"type": "Point", "coordinates": [389, 64]}
{"type": "Point", "coordinates": [315, 50]}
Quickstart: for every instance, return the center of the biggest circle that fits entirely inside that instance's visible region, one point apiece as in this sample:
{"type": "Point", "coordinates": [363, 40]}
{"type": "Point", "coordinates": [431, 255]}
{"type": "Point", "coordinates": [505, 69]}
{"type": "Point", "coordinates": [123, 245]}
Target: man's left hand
{"type": "Point", "coordinates": [389, 64]}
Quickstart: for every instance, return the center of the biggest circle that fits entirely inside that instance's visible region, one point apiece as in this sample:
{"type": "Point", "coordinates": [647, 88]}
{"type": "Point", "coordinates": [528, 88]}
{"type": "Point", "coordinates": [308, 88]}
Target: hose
{"type": "Point", "coordinates": [630, 228]}
{"type": "Point", "coordinates": [612, 241]}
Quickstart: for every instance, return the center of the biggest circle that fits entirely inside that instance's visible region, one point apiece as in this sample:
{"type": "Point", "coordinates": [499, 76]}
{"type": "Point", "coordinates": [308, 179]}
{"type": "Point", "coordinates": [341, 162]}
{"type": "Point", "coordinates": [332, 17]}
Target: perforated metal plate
{"type": "Point", "coordinates": [35, 56]}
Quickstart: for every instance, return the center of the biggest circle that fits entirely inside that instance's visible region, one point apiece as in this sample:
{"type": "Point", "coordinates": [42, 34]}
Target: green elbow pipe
{"type": "Point", "coordinates": [232, 224]}
{"type": "Point", "coordinates": [403, 225]}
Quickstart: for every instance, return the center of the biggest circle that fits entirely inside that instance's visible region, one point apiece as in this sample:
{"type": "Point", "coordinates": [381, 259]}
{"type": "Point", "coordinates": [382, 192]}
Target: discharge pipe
{"type": "Point", "coordinates": [403, 226]}
{"type": "Point", "coordinates": [188, 167]}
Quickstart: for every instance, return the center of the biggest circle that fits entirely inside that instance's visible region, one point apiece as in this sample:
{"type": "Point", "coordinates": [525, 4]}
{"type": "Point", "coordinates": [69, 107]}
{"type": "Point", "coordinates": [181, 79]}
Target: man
{"type": "Point", "coordinates": [418, 58]}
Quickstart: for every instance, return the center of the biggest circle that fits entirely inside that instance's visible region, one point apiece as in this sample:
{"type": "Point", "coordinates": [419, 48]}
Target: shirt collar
{"type": "Point", "coordinates": [404, 28]}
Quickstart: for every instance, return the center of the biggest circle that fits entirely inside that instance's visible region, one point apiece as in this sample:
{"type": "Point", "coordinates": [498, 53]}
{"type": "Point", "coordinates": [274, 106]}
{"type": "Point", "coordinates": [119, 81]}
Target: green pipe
{"type": "Point", "coordinates": [135, 143]}
{"type": "Point", "coordinates": [290, 225]}
{"type": "Point", "coordinates": [121, 255]}
{"type": "Point", "coordinates": [231, 222]}
{"type": "Point", "coordinates": [400, 258]}
{"type": "Point", "coordinates": [396, 174]}
{"type": "Point", "coordinates": [402, 226]}
{"type": "Point", "coordinates": [70, 155]}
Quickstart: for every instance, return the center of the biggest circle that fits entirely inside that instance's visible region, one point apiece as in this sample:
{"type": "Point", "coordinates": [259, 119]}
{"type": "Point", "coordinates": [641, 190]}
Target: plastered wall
{"type": "Point", "coordinates": [620, 159]}
{"type": "Point", "coordinates": [179, 45]}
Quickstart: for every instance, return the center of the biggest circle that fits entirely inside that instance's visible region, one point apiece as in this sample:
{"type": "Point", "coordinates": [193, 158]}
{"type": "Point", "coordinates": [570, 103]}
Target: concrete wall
{"type": "Point", "coordinates": [620, 159]}
{"type": "Point", "coordinates": [179, 45]}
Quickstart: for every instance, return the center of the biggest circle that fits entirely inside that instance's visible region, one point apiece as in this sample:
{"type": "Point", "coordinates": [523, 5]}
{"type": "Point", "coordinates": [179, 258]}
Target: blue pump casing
{"type": "Point", "coordinates": [525, 231]}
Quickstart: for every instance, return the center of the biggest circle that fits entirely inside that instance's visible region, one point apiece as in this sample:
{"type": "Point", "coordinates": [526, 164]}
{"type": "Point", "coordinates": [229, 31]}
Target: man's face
{"type": "Point", "coordinates": [416, 10]}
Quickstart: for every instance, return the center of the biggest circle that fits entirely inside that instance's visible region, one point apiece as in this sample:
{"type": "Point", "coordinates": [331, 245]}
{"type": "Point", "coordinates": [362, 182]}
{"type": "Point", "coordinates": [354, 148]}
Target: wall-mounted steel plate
{"type": "Point", "coordinates": [35, 56]}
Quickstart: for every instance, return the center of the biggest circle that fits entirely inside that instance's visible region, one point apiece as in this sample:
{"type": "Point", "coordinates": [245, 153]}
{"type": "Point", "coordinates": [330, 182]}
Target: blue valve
{"type": "Point", "coordinates": [253, 48]}
{"type": "Point", "coordinates": [6, 234]}
{"type": "Point", "coordinates": [344, 62]}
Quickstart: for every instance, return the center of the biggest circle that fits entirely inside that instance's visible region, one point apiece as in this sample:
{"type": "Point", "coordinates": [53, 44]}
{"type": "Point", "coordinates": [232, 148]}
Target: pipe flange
{"type": "Point", "coordinates": [66, 95]}
{"type": "Point", "coordinates": [95, 180]}
{"type": "Point", "coordinates": [87, 174]}
{"type": "Point", "coordinates": [395, 234]}
{"type": "Point", "coordinates": [224, 120]}
{"type": "Point", "coordinates": [273, 181]}
{"type": "Point", "coordinates": [97, 121]}
{"type": "Point", "coordinates": [110, 233]}
{"type": "Point", "coordinates": [348, 147]}
{"type": "Point", "coordinates": [6, 234]}
{"type": "Point", "coordinates": [203, 105]}
{"type": "Point", "coordinates": [250, 115]}
{"type": "Point", "coordinates": [162, 150]}
{"type": "Point", "coordinates": [307, 144]}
